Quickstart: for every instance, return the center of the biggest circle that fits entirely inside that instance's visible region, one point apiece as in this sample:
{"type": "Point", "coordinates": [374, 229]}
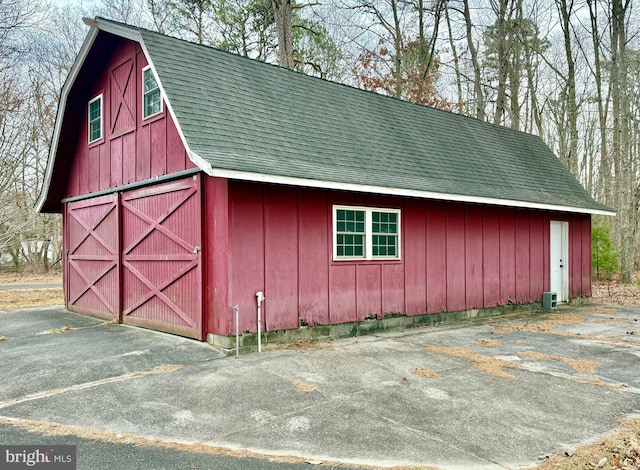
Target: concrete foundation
{"type": "Point", "coordinates": [248, 342]}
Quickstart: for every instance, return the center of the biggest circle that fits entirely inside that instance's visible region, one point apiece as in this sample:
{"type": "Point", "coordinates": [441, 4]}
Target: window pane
{"type": "Point", "coordinates": [350, 228]}
{"type": "Point", "coordinates": [95, 120]}
{"type": "Point", "coordinates": [94, 110]}
{"type": "Point", "coordinates": [385, 234]}
{"type": "Point", "coordinates": [94, 133]}
{"type": "Point", "coordinates": [152, 101]}
{"type": "Point", "coordinates": [149, 81]}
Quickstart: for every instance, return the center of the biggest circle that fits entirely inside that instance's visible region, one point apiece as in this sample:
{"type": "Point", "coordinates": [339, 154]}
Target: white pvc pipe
{"type": "Point", "coordinates": [260, 298]}
{"type": "Point", "coordinates": [237, 333]}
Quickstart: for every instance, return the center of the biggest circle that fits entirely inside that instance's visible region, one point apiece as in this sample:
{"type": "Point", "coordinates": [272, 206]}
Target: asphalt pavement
{"type": "Point", "coordinates": [499, 393]}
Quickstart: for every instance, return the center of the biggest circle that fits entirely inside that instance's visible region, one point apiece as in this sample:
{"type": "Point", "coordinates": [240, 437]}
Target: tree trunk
{"type": "Point", "coordinates": [397, 58]}
{"type": "Point", "coordinates": [503, 60]}
{"type": "Point", "coordinates": [604, 171]}
{"type": "Point", "coordinates": [477, 77]}
{"type": "Point", "coordinates": [282, 10]}
{"type": "Point", "coordinates": [571, 158]}
{"type": "Point", "coordinates": [456, 60]}
{"type": "Point", "coordinates": [624, 180]}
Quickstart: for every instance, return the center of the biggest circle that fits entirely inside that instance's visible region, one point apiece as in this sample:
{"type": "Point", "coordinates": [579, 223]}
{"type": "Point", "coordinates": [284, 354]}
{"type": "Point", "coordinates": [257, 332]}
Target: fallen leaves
{"type": "Point", "coordinates": [578, 365]}
{"type": "Point", "coordinates": [620, 450]}
{"type": "Point", "coordinates": [304, 387]}
{"type": "Point", "coordinates": [429, 374]}
{"type": "Point", "coordinates": [488, 365]}
{"type": "Point", "coordinates": [489, 343]}
{"type": "Point", "coordinates": [544, 325]}
{"type": "Point", "coordinates": [54, 331]}
{"type": "Point", "coordinates": [616, 293]}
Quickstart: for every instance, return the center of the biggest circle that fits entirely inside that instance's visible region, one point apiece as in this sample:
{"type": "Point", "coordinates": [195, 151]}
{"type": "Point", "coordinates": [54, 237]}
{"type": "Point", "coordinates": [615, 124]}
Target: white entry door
{"type": "Point", "coordinates": [559, 254]}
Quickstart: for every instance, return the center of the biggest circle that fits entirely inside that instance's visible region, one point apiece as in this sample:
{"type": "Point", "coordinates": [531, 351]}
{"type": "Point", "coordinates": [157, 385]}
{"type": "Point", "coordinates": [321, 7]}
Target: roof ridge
{"type": "Point", "coordinates": [303, 76]}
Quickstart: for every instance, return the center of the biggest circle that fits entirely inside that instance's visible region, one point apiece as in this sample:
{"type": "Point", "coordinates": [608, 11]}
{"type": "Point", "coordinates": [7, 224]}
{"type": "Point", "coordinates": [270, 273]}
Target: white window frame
{"type": "Point", "coordinates": [368, 224]}
{"type": "Point", "coordinates": [93, 100]}
{"type": "Point", "coordinates": [144, 94]}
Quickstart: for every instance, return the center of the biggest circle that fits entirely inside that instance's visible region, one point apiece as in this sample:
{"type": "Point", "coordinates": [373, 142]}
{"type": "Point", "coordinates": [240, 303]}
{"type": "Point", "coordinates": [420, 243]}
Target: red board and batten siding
{"type": "Point", "coordinates": [455, 256]}
{"type": "Point", "coordinates": [132, 149]}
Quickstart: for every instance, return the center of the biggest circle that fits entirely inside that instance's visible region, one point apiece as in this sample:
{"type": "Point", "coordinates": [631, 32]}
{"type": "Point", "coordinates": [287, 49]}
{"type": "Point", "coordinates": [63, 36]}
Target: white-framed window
{"type": "Point", "coordinates": [365, 233]}
{"type": "Point", "coordinates": [95, 119]}
{"type": "Point", "coordinates": [151, 99]}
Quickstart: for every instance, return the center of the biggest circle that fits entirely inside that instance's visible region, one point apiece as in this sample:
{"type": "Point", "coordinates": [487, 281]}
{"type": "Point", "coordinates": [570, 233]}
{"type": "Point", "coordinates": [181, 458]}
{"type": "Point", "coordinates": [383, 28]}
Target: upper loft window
{"type": "Point", "coordinates": [365, 233]}
{"type": "Point", "coordinates": [95, 119]}
{"type": "Point", "coordinates": [151, 100]}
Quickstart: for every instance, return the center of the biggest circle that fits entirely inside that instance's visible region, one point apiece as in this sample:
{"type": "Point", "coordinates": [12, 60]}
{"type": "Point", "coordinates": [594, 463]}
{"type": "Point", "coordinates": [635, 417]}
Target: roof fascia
{"type": "Point", "coordinates": [262, 178]}
{"type": "Point", "coordinates": [64, 95]}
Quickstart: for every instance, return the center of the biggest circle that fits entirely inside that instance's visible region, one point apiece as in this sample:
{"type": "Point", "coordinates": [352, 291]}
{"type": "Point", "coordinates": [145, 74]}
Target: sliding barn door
{"type": "Point", "coordinates": [161, 269]}
{"type": "Point", "coordinates": [92, 283]}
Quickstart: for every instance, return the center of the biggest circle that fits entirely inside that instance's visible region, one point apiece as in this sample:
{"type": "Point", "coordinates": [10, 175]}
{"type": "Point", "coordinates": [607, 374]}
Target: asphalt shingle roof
{"type": "Point", "coordinates": [244, 115]}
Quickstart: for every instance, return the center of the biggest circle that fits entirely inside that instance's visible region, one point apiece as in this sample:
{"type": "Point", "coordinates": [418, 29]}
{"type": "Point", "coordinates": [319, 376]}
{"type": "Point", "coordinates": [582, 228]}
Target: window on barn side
{"type": "Point", "coordinates": [95, 119]}
{"type": "Point", "coordinates": [151, 99]}
{"type": "Point", "coordinates": [365, 233]}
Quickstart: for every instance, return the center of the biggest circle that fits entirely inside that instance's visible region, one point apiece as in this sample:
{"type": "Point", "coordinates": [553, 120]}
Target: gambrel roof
{"type": "Point", "coordinates": [245, 119]}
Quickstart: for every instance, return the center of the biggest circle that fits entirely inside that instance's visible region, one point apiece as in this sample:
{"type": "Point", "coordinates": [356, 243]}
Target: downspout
{"type": "Point", "coordinates": [260, 298]}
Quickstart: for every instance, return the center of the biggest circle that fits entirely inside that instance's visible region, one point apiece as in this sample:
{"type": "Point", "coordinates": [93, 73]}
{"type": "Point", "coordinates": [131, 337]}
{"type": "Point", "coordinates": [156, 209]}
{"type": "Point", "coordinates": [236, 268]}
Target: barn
{"type": "Point", "coordinates": [191, 179]}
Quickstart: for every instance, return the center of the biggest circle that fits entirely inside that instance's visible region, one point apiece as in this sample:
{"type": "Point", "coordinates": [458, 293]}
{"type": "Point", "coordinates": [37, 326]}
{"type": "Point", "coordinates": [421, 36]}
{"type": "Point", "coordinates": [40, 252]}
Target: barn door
{"type": "Point", "coordinates": [161, 272]}
{"type": "Point", "coordinates": [91, 249]}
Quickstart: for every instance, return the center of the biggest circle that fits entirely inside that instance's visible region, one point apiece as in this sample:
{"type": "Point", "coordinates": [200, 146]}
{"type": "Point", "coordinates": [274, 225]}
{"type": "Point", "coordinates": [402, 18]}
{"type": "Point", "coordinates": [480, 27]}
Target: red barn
{"type": "Point", "coordinates": [190, 179]}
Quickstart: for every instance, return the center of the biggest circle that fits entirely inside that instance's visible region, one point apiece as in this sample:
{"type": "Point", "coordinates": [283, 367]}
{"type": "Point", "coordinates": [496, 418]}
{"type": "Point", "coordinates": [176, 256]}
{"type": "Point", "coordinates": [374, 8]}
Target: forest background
{"type": "Point", "coordinates": [568, 71]}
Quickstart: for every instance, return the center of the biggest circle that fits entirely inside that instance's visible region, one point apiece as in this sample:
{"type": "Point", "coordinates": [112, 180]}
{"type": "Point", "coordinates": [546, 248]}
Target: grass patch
{"type": "Point", "coordinates": [21, 298]}
{"type": "Point", "coordinates": [19, 278]}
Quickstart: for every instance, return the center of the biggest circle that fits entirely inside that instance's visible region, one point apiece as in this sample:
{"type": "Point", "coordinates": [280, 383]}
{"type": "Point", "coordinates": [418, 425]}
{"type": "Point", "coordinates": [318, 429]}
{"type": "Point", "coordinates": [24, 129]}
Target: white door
{"type": "Point", "coordinates": [559, 254]}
